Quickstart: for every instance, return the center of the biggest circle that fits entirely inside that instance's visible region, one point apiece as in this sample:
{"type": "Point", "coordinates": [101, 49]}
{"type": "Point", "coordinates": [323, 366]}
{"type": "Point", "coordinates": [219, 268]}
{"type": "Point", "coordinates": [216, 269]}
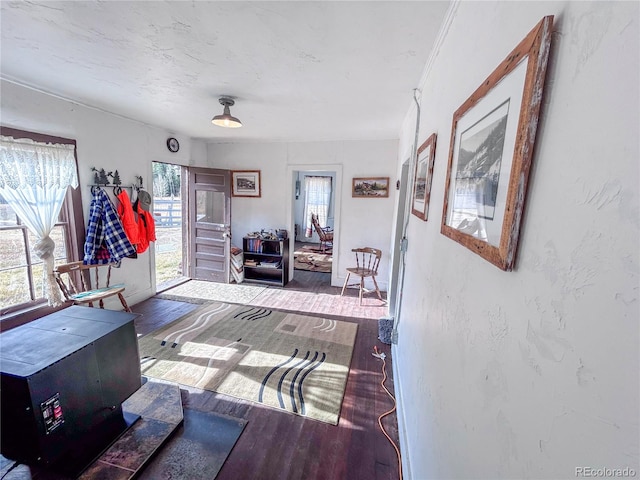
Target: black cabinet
{"type": "Point", "coordinates": [62, 382]}
{"type": "Point", "coordinates": [266, 261]}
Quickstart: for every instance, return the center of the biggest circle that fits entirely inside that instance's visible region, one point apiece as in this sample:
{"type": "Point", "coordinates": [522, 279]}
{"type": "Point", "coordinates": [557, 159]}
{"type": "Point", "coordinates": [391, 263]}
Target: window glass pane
{"type": "Point", "coordinates": [60, 251]}
{"type": "Point", "coordinates": [14, 287]}
{"type": "Point", "coordinates": [58, 236]}
{"type": "Point", "coordinates": [14, 281]}
{"type": "Point", "coordinates": [7, 215]}
{"type": "Point", "coordinates": [12, 249]}
{"type": "Point", "coordinates": [38, 280]}
{"type": "Point", "coordinates": [210, 207]}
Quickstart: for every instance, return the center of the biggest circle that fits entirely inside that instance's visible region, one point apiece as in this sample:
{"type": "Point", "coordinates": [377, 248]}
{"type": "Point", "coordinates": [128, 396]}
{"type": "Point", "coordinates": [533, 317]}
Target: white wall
{"type": "Point", "coordinates": [359, 221]}
{"type": "Point", "coordinates": [103, 141]}
{"type": "Point", "coordinates": [531, 373]}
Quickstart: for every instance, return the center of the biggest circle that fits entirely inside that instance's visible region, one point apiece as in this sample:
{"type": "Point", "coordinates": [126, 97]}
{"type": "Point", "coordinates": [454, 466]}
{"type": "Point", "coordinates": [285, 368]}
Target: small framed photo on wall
{"type": "Point", "coordinates": [245, 183]}
{"type": "Point", "coordinates": [370, 187]}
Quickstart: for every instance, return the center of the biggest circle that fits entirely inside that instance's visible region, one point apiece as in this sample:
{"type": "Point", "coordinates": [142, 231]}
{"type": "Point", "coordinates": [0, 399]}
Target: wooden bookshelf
{"type": "Point", "coordinates": [266, 261]}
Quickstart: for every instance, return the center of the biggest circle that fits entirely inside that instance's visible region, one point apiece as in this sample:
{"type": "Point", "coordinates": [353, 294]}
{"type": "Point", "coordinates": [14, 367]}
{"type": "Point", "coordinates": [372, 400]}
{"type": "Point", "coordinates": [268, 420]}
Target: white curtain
{"type": "Point", "coordinates": [34, 178]}
{"type": "Point", "coordinates": [317, 199]}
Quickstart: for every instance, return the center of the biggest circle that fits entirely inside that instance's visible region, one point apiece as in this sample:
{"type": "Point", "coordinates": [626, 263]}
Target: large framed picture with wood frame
{"type": "Point", "coordinates": [491, 150]}
{"type": "Point", "coordinates": [423, 176]}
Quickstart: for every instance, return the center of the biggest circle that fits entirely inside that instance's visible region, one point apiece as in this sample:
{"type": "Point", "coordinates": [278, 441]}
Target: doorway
{"type": "Point", "coordinates": [395, 292]}
{"type": "Point", "coordinates": [308, 187]}
{"type": "Point", "coordinates": [314, 194]}
{"type": "Point", "coordinates": [170, 232]}
{"type": "Point", "coordinates": [192, 213]}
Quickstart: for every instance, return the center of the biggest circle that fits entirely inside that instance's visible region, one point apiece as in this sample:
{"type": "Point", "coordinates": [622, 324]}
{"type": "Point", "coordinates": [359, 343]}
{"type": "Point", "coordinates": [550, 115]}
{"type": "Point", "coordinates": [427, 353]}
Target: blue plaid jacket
{"type": "Point", "coordinates": [105, 229]}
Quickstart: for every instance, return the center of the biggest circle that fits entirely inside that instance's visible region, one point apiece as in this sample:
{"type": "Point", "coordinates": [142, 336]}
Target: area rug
{"type": "Point", "coordinates": [288, 361]}
{"type": "Point", "coordinates": [312, 259]}
{"type": "Point", "coordinates": [198, 291]}
{"type": "Point", "coordinates": [198, 449]}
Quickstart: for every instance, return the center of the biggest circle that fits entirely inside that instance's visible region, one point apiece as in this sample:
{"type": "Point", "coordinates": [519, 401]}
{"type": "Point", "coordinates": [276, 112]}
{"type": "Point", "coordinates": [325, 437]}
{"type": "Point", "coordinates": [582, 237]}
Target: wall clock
{"type": "Point", "coordinates": [173, 145]}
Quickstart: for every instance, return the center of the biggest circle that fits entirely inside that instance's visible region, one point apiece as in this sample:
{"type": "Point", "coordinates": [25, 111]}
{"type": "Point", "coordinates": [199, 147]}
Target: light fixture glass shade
{"type": "Point", "coordinates": [226, 119]}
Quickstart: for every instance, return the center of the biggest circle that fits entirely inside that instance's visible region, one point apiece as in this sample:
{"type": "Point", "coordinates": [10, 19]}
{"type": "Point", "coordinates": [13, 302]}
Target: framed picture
{"type": "Point", "coordinates": [245, 183]}
{"type": "Point", "coordinates": [370, 187]}
{"type": "Point", "coordinates": [492, 140]}
{"type": "Point", "coordinates": [423, 175]}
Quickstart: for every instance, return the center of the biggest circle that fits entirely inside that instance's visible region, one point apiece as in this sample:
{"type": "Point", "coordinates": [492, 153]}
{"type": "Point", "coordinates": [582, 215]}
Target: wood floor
{"type": "Point", "coordinates": [278, 445]}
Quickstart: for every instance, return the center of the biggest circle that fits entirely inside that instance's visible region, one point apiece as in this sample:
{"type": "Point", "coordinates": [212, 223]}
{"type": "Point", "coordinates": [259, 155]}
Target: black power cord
{"type": "Point", "coordinates": [15, 464]}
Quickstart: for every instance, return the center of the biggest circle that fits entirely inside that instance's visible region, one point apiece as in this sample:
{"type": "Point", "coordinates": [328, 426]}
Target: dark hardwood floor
{"type": "Point", "coordinates": [278, 445]}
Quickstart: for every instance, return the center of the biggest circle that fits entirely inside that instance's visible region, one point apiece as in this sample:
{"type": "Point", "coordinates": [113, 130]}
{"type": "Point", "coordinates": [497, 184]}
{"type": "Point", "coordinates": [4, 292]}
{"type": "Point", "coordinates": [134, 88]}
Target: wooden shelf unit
{"type": "Point", "coordinates": [266, 252]}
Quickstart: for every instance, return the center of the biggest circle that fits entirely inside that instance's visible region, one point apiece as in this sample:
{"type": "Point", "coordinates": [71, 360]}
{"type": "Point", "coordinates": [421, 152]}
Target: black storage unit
{"type": "Point", "coordinates": [63, 380]}
{"type": "Point", "coordinates": [266, 261]}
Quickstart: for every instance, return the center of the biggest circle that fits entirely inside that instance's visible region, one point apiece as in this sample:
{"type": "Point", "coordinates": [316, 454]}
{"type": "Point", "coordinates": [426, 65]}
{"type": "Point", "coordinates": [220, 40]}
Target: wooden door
{"type": "Point", "coordinates": [210, 224]}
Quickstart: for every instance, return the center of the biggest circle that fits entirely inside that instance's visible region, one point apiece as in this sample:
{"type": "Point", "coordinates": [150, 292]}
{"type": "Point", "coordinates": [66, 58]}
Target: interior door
{"type": "Point", "coordinates": [210, 224]}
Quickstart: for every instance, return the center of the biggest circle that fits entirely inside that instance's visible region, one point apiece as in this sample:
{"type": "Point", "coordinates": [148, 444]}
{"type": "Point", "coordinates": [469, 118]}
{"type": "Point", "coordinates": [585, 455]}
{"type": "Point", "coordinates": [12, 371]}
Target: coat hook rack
{"type": "Point", "coordinates": [115, 178]}
{"type": "Point", "coordinates": [101, 179]}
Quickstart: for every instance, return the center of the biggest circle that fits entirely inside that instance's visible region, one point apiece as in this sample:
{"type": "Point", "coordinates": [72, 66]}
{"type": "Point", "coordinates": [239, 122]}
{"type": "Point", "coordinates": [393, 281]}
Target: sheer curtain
{"type": "Point", "coordinates": [317, 199]}
{"type": "Point", "coordinates": [34, 177]}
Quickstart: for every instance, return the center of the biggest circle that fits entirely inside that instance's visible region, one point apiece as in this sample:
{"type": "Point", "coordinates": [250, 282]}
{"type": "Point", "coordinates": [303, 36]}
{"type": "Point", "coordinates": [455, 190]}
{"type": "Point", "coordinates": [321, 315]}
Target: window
{"type": "Point", "coordinates": [317, 200]}
{"type": "Point", "coordinates": [21, 271]}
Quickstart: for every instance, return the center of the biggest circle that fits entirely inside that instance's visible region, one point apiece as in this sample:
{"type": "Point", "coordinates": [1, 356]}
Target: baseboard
{"type": "Point", "coordinates": [402, 421]}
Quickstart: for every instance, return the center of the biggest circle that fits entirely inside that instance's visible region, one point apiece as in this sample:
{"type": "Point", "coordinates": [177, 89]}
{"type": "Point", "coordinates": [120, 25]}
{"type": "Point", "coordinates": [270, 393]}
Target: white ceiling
{"type": "Point", "coordinates": [299, 71]}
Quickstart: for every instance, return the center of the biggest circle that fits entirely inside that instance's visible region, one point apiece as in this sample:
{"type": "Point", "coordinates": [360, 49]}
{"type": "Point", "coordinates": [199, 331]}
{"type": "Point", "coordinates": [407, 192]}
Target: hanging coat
{"type": "Point", "coordinates": [127, 217]}
{"type": "Point", "coordinates": [146, 227]}
{"type": "Point", "coordinates": [104, 228]}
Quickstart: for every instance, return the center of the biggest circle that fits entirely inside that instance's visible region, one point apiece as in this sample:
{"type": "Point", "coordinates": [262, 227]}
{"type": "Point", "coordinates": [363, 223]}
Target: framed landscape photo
{"type": "Point", "coordinates": [492, 140]}
{"type": "Point", "coordinates": [423, 176]}
{"type": "Point", "coordinates": [370, 187]}
{"type": "Point", "coordinates": [245, 183]}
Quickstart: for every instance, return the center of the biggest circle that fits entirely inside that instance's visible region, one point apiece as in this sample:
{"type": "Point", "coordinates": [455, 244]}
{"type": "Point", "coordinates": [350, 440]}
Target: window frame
{"type": "Point", "coordinates": [71, 215]}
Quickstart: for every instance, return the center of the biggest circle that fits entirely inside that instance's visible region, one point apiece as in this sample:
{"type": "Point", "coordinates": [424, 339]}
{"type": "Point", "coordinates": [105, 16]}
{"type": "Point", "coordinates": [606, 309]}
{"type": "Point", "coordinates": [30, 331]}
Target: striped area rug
{"type": "Point", "coordinates": [292, 362]}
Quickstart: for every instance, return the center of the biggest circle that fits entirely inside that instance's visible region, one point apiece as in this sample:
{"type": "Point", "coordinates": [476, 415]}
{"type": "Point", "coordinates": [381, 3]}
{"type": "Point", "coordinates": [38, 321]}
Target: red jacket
{"type": "Point", "coordinates": [127, 218]}
{"type": "Point", "coordinates": [146, 228]}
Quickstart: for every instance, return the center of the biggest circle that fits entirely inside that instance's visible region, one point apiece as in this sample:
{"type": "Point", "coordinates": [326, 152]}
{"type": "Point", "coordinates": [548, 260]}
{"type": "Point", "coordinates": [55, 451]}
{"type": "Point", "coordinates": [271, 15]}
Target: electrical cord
{"type": "Point", "coordinates": [10, 468]}
{"type": "Point", "coordinates": [382, 356]}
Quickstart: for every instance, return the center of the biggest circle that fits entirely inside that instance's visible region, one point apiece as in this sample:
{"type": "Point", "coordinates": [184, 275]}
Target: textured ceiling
{"type": "Point", "coordinates": [299, 71]}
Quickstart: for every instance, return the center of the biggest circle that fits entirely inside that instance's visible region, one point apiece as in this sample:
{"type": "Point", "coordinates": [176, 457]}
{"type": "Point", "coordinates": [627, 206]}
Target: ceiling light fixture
{"type": "Point", "coordinates": [226, 120]}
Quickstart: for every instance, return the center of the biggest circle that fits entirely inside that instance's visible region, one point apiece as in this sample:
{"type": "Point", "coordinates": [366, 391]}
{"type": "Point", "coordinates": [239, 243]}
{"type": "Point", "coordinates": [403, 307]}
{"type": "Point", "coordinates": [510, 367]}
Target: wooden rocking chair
{"type": "Point", "coordinates": [66, 276]}
{"type": "Point", "coordinates": [325, 233]}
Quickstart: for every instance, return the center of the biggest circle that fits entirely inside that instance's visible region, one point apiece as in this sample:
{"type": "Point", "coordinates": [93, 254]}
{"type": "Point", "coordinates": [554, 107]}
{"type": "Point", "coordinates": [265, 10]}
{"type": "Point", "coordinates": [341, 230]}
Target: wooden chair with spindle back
{"type": "Point", "coordinates": [367, 261]}
{"type": "Point", "coordinates": [66, 276]}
